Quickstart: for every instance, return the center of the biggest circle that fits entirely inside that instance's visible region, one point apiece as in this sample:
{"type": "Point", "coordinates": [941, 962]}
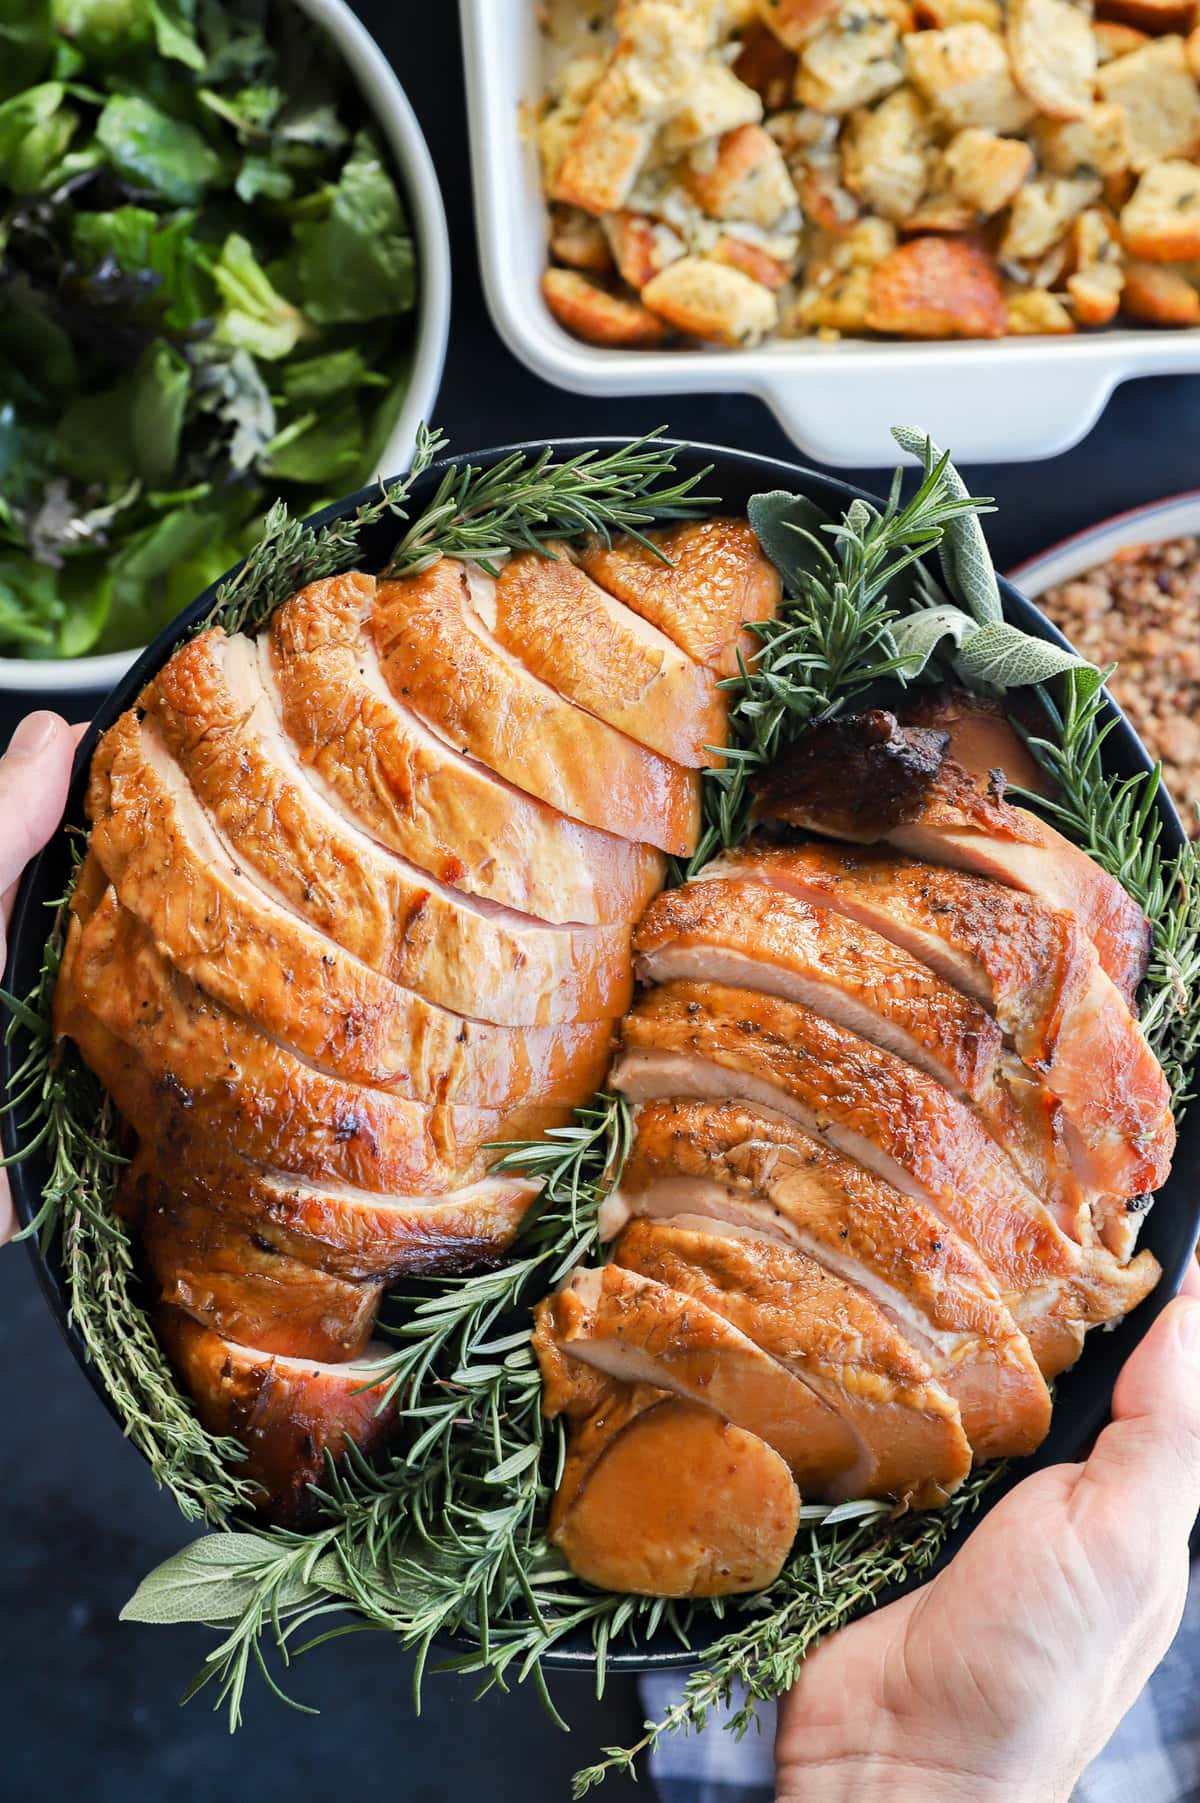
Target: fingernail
{"type": "Point", "coordinates": [33, 734]}
{"type": "Point", "coordinates": [1187, 1326]}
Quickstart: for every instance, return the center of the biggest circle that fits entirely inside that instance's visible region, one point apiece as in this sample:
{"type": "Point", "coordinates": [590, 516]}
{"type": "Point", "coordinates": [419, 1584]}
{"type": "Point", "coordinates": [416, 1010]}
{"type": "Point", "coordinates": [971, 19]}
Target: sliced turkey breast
{"type": "Point", "coordinates": [230, 1277]}
{"type": "Point", "coordinates": [164, 1049]}
{"type": "Point", "coordinates": [460, 951]}
{"type": "Point", "coordinates": [604, 657]}
{"type": "Point", "coordinates": [760, 1171]}
{"type": "Point", "coordinates": [678, 1502]}
{"type": "Point", "coordinates": [437, 654]}
{"type": "Point", "coordinates": [700, 583]}
{"type": "Point", "coordinates": [349, 1233]}
{"type": "Point", "coordinates": [753, 936]}
{"type": "Point", "coordinates": [703, 1040]}
{"type": "Point", "coordinates": [170, 868]}
{"type": "Point", "coordinates": [416, 792]}
{"type": "Point", "coordinates": [1029, 965]}
{"type": "Point", "coordinates": [635, 1330]}
{"type": "Point", "coordinates": [288, 1413]}
{"type": "Point", "coordinates": [869, 778]}
{"type": "Point", "coordinates": [908, 1431]}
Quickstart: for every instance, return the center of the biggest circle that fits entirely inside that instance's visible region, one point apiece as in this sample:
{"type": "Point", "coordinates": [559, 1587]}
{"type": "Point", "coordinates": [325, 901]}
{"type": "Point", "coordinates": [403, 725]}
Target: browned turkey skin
{"type": "Point", "coordinates": [888, 1119]}
{"type": "Point", "coordinates": [357, 906]}
{"type": "Point", "coordinates": [364, 897]}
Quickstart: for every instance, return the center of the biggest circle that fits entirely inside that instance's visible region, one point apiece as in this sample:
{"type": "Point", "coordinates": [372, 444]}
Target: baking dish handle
{"type": "Point", "coordinates": [987, 403]}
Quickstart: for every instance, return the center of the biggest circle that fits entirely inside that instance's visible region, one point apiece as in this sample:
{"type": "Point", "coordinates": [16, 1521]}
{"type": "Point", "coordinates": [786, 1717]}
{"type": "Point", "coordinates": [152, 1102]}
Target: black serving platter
{"type": "Point", "coordinates": [1083, 1396]}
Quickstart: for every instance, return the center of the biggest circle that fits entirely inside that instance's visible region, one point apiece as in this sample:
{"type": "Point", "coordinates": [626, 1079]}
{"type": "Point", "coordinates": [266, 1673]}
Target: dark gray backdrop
{"type": "Point", "coordinates": [87, 1707]}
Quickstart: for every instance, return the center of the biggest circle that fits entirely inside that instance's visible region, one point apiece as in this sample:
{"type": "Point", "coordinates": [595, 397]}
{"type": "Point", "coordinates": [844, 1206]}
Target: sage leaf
{"type": "Point", "coordinates": [212, 1580]}
{"type": "Point", "coordinates": [1008, 658]}
{"type": "Point", "coordinates": [966, 561]}
{"type": "Point", "coordinates": [918, 637]}
{"type": "Point", "coordinates": [788, 527]}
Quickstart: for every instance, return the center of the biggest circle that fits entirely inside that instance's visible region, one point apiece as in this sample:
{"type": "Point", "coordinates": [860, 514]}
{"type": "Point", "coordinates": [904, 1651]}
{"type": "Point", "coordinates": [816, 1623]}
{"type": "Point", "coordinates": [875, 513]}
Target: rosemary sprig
{"type": "Point", "coordinates": [832, 637]}
{"type": "Point", "coordinates": [289, 553]}
{"type": "Point", "coordinates": [519, 503]}
{"type": "Point", "coordinates": [67, 1111]}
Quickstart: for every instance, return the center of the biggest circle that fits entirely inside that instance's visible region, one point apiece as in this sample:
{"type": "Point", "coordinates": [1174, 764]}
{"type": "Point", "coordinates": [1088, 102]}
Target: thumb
{"type": "Point", "coordinates": [34, 774]}
{"type": "Point", "coordinates": [1150, 1451]}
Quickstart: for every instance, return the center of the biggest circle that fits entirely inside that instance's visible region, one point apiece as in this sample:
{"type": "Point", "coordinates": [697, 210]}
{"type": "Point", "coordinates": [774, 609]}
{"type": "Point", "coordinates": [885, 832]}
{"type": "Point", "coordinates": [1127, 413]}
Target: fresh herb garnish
{"type": "Point", "coordinates": [206, 287]}
{"type": "Point", "coordinates": [446, 1536]}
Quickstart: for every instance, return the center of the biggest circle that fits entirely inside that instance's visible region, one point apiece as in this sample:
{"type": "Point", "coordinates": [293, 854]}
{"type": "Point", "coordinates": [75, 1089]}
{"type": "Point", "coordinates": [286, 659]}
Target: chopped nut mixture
{"type": "Point", "coordinates": [733, 170]}
{"type": "Point", "coordinates": [1142, 611]}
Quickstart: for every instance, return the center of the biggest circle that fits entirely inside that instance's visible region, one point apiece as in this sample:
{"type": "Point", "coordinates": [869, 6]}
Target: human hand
{"type": "Point", "coordinates": [1001, 1679]}
{"type": "Point", "coordinates": [34, 774]}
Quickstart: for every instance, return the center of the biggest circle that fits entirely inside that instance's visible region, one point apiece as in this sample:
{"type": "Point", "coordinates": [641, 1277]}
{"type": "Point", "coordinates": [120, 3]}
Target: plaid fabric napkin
{"type": "Point", "coordinates": [1154, 1757]}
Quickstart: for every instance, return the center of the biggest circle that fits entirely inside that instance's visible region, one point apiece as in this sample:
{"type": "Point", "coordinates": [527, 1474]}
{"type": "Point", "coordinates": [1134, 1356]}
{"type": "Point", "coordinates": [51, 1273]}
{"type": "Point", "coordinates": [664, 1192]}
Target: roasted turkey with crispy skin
{"type": "Point", "coordinates": [380, 888]}
{"type": "Point", "coordinates": [357, 905]}
{"type": "Point", "coordinates": [894, 1122]}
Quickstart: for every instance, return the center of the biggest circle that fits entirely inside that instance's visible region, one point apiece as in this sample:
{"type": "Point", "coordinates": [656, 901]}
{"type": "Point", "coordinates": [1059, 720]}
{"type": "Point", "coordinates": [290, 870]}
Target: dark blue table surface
{"type": "Point", "coordinates": [87, 1707]}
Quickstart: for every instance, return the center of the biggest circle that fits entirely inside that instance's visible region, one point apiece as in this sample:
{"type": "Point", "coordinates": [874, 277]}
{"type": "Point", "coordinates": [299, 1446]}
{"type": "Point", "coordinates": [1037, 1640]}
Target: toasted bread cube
{"type": "Point", "coordinates": [577, 239]}
{"type": "Point", "coordinates": [1097, 144]}
{"type": "Point", "coordinates": [940, 210]}
{"type": "Point", "coordinates": [1113, 40]}
{"type": "Point", "coordinates": [661, 51]}
{"type": "Point", "coordinates": [605, 152]}
{"type": "Point", "coordinates": [1153, 16]}
{"type": "Point", "coordinates": [1161, 222]}
{"type": "Point", "coordinates": [1161, 101]}
{"type": "Point", "coordinates": [640, 246]}
{"type": "Point", "coordinates": [823, 197]}
{"type": "Point", "coordinates": [1191, 50]}
{"type": "Point", "coordinates": [865, 244]}
{"type": "Point", "coordinates": [1053, 55]}
{"type": "Point", "coordinates": [765, 64]}
{"type": "Point", "coordinates": [837, 292]}
{"type": "Point", "coordinates": [1157, 295]}
{"type": "Point", "coordinates": [744, 177]}
{"type": "Point", "coordinates": [1098, 276]}
{"type": "Point", "coordinates": [964, 74]}
{"type": "Point", "coordinates": [710, 300]}
{"type": "Point", "coordinates": [573, 87]}
{"type": "Point", "coordinates": [752, 260]}
{"type": "Point", "coordinates": [795, 21]}
{"type": "Point", "coordinates": [984, 171]}
{"type": "Point", "coordinates": [886, 154]}
{"type": "Point", "coordinates": [592, 313]}
{"type": "Point", "coordinates": [1041, 213]}
{"type": "Point", "coordinates": [1035, 312]}
{"type": "Point", "coordinates": [936, 15]}
{"type": "Point", "coordinates": [852, 62]}
{"type": "Point", "coordinates": [716, 102]}
{"type": "Point", "coordinates": [838, 300]}
{"type": "Point", "coordinates": [937, 288]}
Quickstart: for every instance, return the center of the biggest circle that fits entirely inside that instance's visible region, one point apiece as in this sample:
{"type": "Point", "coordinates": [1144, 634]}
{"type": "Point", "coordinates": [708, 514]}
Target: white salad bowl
{"type": "Point", "coordinates": [389, 108]}
{"type": "Point", "coordinates": [1004, 400]}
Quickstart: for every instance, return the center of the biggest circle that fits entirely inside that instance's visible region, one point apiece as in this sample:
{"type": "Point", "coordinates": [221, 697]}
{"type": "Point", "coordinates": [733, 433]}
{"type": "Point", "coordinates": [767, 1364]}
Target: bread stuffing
{"type": "Point", "coordinates": [725, 173]}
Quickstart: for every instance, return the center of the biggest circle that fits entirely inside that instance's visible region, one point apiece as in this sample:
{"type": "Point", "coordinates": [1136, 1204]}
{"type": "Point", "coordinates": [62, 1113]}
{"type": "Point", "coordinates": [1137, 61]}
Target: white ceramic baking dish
{"type": "Point", "coordinates": [1003, 401]}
